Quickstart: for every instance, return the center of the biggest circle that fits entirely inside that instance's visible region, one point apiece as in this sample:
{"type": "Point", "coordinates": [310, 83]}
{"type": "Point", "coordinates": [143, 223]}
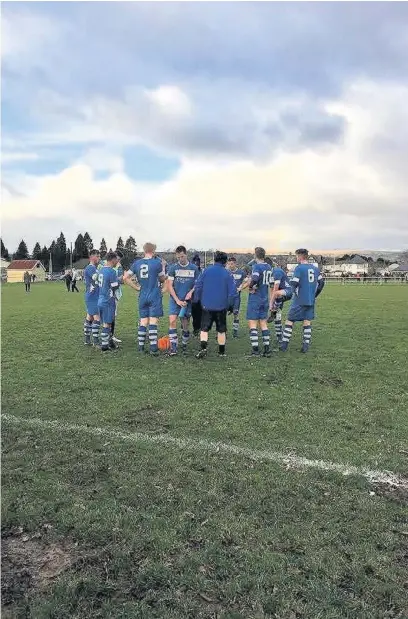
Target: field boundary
{"type": "Point", "coordinates": [191, 444]}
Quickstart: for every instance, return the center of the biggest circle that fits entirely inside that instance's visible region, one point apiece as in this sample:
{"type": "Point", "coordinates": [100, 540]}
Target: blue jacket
{"type": "Point", "coordinates": [215, 288]}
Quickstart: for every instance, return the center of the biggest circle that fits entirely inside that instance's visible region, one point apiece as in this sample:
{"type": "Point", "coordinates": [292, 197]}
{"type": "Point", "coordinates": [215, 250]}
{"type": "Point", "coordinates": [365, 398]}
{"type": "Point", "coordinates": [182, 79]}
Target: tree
{"type": "Point", "coordinates": [4, 252]}
{"type": "Point", "coordinates": [119, 245]}
{"type": "Point", "coordinates": [45, 257]}
{"type": "Point", "coordinates": [22, 251]}
{"type": "Point", "coordinates": [59, 256]}
{"type": "Point", "coordinates": [130, 245]}
{"type": "Point", "coordinates": [103, 248]}
{"type": "Point", "coordinates": [88, 242]}
{"type": "Point", "coordinates": [37, 251]}
{"type": "Point", "coordinates": [80, 248]}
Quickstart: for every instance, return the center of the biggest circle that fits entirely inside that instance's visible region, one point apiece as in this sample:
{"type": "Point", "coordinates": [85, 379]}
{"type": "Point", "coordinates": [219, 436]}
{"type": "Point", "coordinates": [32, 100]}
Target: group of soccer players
{"type": "Point", "coordinates": [218, 291]}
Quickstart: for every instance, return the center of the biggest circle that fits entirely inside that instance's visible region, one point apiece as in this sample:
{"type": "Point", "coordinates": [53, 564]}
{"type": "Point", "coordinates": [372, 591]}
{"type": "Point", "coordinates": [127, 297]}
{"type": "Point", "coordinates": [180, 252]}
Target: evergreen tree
{"type": "Point", "coordinates": [45, 257]}
{"type": "Point", "coordinates": [22, 251]}
{"type": "Point", "coordinates": [119, 245]}
{"type": "Point", "coordinates": [129, 252]}
{"type": "Point", "coordinates": [58, 261]}
{"type": "Point", "coordinates": [4, 252]}
{"type": "Point", "coordinates": [88, 242]}
{"type": "Point", "coordinates": [130, 245]}
{"type": "Point", "coordinates": [80, 249]}
{"type": "Point", "coordinates": [103, 248]}
{"type": "Point", "coordinates": [37, 251]}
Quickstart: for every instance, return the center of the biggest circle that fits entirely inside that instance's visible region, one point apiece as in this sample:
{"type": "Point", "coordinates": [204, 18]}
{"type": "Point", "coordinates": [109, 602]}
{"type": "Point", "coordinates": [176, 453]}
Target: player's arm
{"type": "Point", "coordinates": [294, 281]}
{"type": "Point", "coordinates": [129, 281]}
{"type": "Point", "coordinates": [320, 285]}
{"type": "Point", "coordinates": [170, 288]}
{"type": "Point", "coordinates": [232, 293]}
{"type": "Point", "coordinates": [253, 281]}
{"type": "Point", "coordinates": [198, 288]}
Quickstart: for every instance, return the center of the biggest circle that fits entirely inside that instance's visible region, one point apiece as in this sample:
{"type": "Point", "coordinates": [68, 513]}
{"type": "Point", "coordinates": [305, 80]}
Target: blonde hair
{"type": "Point", "coordinates": [149, 248]}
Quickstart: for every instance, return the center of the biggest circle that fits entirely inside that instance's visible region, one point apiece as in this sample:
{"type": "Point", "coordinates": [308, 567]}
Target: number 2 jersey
{"type": "Point", "coordinates": [148, 272]}
{"type": "Point", "coordinates": [307, 283]}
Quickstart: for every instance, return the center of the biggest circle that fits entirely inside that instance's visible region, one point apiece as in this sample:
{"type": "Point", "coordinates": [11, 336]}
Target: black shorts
{"type": "Point", "coordinates": [208, 317]}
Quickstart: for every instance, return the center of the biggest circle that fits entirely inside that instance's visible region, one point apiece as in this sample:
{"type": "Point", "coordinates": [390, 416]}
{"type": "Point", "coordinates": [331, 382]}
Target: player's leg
{"type": "Point", "coordinates": [207, 319]}
{"type": "Point", "coordinates": [174, 311]}
{"type": "Point", "coordinates": [88, 329]}
{"type": "Point", "coordinates": [253, 337]}
{"type": "Point", "coordinates": [307, 336]}
{"type": "Point", "coordinates": [221, 325]}
{"type": "Point", "coordinates": [235, 322]}
{"type": "Point", "coordinates": [143, 323]}
{"type": "Point", "coordinates": [266, 336]}
{"type": "Point", "coordinates": [287, 334]}
{"type": "Point", "coordinates": [96, 323]}
{"type": "Point", "coordinates": [155, 312]}
{"type": "Point", "coordinates": [185, 334]}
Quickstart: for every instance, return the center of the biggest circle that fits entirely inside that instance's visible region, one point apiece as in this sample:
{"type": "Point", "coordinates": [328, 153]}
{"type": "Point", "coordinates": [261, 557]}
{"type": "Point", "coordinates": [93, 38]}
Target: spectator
{"type": "Point", "coordinates": [27, 281]}
{"type": "Point", "coordinates": [68, 280]}
{"type": "Point", "coordinates": [74, 281]}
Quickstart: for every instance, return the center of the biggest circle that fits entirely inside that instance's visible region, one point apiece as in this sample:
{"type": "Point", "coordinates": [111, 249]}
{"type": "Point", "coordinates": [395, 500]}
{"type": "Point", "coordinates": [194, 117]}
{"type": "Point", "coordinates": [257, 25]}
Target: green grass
{"type": "Point", "coordinates": [152, 531]}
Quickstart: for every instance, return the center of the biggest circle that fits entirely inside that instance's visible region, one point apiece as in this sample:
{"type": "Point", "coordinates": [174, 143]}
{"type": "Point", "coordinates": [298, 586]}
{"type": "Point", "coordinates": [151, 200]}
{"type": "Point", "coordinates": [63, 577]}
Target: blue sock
{"type": "Point", "coordinates": [95, 332]}
{"type": "Point", "coordinates": [153, 338]}
{"type": "Point", "coordinates": [105, 335]}
{"type": "Point", "coordinates": [253, 336]}
{"type": "Point", "coordinates": [287, 334]}
{"type": "Point", "coordinates": [173, 340]}
{"type": "Point", "coordinates": [141, 337]}
{"type": "Point", "coordinates": [185, 336]}
{"type": "Point", "coordinates": [307, 335]}
{"type": "Point", "coordinates": [87, 331]}
{"type": "Point", "coordinates": [266, 338]}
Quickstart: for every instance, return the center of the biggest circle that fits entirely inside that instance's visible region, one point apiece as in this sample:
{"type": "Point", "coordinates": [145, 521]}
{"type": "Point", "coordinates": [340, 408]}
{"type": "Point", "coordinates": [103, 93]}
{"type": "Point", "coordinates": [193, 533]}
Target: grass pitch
{"type": "Point", "coordinates": [98, 526]}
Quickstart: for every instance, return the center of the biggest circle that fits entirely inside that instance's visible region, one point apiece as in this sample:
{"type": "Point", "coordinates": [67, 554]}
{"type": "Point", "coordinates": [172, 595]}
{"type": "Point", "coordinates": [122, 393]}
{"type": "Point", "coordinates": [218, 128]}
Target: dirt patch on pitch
{"type": "Point", "coordinates": [329, 381]}
{"type": "Point", "coordinates": [147, 419]}
{"type": "Point", "coordinates": [394, 493]}
{"type": "Point", "coordinates": [31, 563]}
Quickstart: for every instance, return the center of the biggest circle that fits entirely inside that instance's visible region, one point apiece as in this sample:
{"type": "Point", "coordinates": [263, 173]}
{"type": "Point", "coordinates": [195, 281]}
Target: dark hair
{"type": "Point", "coordinates": [302, 252]}
{"type": "Point", "coordinates": [220, 256]}
{"type": "Point", "coordinates": [95, 252]}
{"type": "Point", "coordinates": [119, 254]}
{"type": "Point", "coordinates": [111, 255]}
{"type": "Point", "coordinates": [260, 253]}
{"type": "Point", "coordinates": [181, 249]}
{"type": "Point", "coordinates": [268, 261]}
{"type": "Point", "coordinates": [232, 259]}
{"type": "Point", "coordinates": [196, 260]}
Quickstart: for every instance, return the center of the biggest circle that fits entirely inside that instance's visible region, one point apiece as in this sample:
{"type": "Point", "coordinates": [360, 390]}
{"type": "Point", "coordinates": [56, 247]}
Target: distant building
{"type": "Point", "coordinates": [354, 265]}
{"type": "Point", "coordinates": [17, 268]}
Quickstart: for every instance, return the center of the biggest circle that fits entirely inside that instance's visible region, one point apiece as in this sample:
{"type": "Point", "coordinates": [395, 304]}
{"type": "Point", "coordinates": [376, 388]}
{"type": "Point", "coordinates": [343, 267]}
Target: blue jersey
{"type": "Point", "coordinates": [305, 281]}
{"type": "Point", "coordinates": [183, 278]}
{"type": "Point", "coordinates": [91, 281]}
{"type": "Point", "coordinates": [215, 288]}
{"type": "Point", "coordinates": [108, 284]}
{"type": "Point", "coordinates": [280, 277]}
{"type": "Point", "coordinates": [263, 279]}
{"type": "Point", "coordinates": [238, 276]}
{"type": "Point", "coordinates": [147, 271]}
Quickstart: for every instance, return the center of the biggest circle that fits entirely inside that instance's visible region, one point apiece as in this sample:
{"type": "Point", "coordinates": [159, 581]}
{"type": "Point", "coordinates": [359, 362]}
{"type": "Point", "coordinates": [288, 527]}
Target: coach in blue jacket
{"type": "Point", "coordinates": [216, 290]}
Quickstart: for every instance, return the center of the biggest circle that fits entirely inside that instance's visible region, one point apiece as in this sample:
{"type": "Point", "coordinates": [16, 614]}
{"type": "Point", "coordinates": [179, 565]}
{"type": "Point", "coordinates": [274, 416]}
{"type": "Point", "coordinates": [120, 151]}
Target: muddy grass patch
{"type": "Point", "coordinates": [30, 563]}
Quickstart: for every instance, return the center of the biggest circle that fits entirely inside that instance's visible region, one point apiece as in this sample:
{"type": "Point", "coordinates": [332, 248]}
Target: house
{"type": "Point", "coordinates": [291, 266]}
{"type": "Point", "coordinates": [4, 265]}
{"type": "Point", "coordinates": [401, 270]}
{"type": "Point", "coordinates": [17, 268]}
{"type": "Point", "coordinates": [355, 264]}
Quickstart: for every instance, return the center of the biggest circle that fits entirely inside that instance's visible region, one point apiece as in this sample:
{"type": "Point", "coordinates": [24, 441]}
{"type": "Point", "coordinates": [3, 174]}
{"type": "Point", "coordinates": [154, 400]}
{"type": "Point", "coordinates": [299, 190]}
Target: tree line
{"type": "Point", "coordinates": [60, 253]}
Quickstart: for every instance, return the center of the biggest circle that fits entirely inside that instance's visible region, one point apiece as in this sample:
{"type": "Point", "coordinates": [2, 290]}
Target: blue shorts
{"type": "Point", "coordinates": [107, 312]}
{"type": "Point", "coordinates": [91, 303]}
{"type": "Point", "coordinates": [237, 304]}
{"type": "Point", "coordinates": [151, 306]}
{"type": "Point", "coordinates": [297, 313]}
{"type": "Point", "coordinates": [258, 309]}
{"type": "Point", "coordinates": [174, 309]}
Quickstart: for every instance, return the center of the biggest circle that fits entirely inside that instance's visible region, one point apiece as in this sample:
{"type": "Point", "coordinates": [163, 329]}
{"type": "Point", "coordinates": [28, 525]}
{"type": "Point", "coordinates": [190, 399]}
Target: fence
{"type": "Point", "coordinates": [380, 281]}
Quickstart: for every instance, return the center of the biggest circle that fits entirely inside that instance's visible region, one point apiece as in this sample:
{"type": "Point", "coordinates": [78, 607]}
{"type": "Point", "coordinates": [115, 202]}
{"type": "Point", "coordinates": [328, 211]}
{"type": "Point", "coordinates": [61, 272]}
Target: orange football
{"type": "Point", "coordinates": [164, 343]}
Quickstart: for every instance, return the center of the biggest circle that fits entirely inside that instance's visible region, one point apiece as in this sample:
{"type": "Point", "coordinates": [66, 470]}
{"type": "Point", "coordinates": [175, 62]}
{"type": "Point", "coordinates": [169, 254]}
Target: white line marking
{"type": "Point", "coordinates": [384, 477]}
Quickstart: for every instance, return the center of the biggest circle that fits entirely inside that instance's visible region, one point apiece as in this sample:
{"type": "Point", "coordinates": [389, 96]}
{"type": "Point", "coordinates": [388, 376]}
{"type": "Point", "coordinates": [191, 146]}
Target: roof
{"type": "Point", "coordinates": [402, 267]}
{"type": "Point", "coordinates": [23, 265]}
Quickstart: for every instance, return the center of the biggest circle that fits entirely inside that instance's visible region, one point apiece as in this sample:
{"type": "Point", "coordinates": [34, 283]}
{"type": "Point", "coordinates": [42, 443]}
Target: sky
{"type": "Point", "coordinates": [215, 125]}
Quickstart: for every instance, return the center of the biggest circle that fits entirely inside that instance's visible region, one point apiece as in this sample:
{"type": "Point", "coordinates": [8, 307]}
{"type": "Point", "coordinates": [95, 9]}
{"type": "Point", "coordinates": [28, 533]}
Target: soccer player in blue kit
{"type": "Point", "coordinates": [258, 302]}
{"type": "Point", "coordinates": [92, 319]}
{"type": "Point", "coordinates": [149, 274]}
{"type": "Point", "coordinates": [281, 292]}
{"type": "Point", "coordinates": [108, 286]}
{"type": "Point", "coordinates": [239, 276]}
{"type": "Point", "coordinates": [307, 283]}
{"type": "Point", "coordinates": [180, 284]}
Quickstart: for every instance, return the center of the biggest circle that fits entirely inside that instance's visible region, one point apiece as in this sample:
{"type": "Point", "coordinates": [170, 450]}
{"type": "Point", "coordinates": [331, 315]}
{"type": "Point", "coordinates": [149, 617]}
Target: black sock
{"type": "Point", "coordinates": [113, 328]}
{"type": "Point", "coordinates": [221, 349]}
{"type": "Point", "coordinates": [203, 345]}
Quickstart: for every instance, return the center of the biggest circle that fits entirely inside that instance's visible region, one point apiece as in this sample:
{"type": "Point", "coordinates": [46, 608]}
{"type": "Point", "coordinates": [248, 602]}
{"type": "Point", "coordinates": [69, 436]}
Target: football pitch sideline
{"type": "Point", "coordinates": [142, 487]}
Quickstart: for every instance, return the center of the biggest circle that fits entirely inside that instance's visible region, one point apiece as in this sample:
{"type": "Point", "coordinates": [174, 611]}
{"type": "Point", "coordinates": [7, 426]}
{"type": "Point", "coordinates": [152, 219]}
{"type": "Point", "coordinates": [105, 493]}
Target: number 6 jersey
{"type": "Point", "coordinates": [305, 281]}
